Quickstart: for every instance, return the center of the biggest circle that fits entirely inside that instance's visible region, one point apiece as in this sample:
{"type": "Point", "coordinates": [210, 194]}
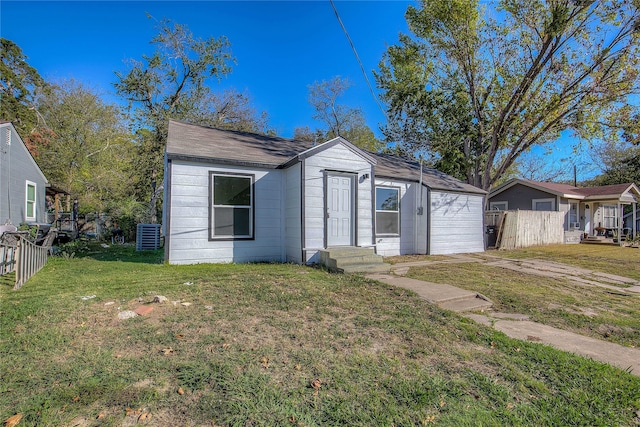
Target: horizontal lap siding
{"type": "Point", "coordinates": [339, 159]}
{"type": "Point", "coordinates": [405, 243]}
{"type": "Point", "coordinates": [456, 223]}
{"type": "Point", "coordinates": [293, 225]}
{"type": "Point", "coordinates": [16, 168]}
{"type": "Point", "coordinates": [189, 217]}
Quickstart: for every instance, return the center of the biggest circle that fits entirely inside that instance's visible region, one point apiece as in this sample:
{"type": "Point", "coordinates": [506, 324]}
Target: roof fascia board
{"type": "Point", "coordinates": [612, 197]}
{"type": "Point", "coordinates": [430, 187]}
{"type": "Point", "coordinates": [219, 161]}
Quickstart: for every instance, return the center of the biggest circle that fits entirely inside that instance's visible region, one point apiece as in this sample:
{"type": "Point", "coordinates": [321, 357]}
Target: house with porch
{"type": "Point", "coordinates": [589, 211]}
{"type": "Point", "coordinates": [241, 197]}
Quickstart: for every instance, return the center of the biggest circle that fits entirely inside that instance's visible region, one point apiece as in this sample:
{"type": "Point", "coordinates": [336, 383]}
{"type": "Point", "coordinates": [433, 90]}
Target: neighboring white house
{"type": "Point", "coordinates": [22, 183]}
{"type": "Point", "coordinates": [240, 197]}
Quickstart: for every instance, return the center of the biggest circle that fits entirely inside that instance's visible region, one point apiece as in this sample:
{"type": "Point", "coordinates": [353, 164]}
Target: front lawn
{"type": "Point", "coordinates": [273, 345]}
{"type": "Point", "coordinates": [588, 310]}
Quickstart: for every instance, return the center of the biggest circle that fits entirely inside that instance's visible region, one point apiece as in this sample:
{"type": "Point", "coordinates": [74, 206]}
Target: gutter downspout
{"type": "Point", "coordinates": [419, 211]}
{"type": "Point", "coordinates": [429, 222]}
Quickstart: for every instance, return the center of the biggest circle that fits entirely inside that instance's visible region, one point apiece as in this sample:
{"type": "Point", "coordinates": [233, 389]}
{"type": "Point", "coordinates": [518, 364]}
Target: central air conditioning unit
{"type": "Point", "coordinates": [575, 225]}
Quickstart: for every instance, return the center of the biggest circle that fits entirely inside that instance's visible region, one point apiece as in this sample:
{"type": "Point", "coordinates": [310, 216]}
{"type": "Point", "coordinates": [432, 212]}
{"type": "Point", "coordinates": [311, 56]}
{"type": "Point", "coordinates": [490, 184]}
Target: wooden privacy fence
{"type": "Point", "coordinates": [24, 258]}
{"type": "Point", "coordinates": [520, 229]}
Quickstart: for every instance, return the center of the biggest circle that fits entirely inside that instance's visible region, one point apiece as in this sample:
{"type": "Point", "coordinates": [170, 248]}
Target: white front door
{"type": "Point", "coordinates": [340, 210]}
{"type": "Point", "coordinates": [587, 220]}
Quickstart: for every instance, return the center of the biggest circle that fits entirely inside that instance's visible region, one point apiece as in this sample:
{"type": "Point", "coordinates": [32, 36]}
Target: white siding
{"type": "Point", "coordinates": [189, 217]}
{"type": "Point", "coordinates": [456, 223]}
{"type": "Point", "coordinates": [412, 239]}
{"type": "Point", "coordinates": [340, 159]}
{"type": "Point", "coordinates": [293, 214]}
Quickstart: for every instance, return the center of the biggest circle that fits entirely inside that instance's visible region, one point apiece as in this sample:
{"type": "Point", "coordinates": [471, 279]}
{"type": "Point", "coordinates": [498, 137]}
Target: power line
{"type": "Point", "coordinates": [355, 52]}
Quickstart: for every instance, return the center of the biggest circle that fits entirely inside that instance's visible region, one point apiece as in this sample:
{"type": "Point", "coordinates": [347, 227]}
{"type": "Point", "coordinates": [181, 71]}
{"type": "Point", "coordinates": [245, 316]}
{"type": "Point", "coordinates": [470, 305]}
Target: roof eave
{"type": "Point", "coordinates": [220, 161]}
{"type": "Point", "coordinates": [475, 190]}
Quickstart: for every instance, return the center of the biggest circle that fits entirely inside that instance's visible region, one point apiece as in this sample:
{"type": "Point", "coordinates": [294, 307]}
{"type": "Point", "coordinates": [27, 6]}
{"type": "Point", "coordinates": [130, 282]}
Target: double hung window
{"type": "Point", "coordinates": [30, 206]}
{"type": "Point", "coordinates": [610, 216]}
{"type": "Point", "coordinates": [231, 206]}
{"type": "Point", "coordinates": [387, 211]}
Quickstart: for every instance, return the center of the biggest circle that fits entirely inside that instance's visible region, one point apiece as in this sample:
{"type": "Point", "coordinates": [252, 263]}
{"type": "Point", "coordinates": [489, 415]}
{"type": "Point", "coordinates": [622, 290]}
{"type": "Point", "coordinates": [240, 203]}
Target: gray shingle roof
{"type": "Point", "coordinates": [200, 143]}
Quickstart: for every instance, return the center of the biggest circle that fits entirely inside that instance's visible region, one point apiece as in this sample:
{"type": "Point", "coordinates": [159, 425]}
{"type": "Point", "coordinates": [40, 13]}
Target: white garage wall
{"type": "Point", "coordinates": [456, 223]}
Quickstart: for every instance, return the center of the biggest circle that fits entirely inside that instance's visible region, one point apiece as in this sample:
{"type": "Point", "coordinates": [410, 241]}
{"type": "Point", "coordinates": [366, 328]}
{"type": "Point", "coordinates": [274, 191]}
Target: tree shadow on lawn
{"type": "Point", "coordinates": [124, 253]}
{"type": "Point", "coordinates": [8, 280]}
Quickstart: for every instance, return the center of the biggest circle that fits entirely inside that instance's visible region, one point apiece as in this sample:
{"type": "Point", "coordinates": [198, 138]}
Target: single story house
{"type": "Point", "coordinates": [22, 183]}
{"type": "Point", "coordinates": [241, 197]}
{"type": "Point", "coordinates": [589, 210]}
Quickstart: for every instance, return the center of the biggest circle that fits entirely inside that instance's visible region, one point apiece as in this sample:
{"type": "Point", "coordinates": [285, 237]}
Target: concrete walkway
{"type": "Point", "coordinates": [625, 358]}
{"type": "Point", "coordinates": [517, 325]}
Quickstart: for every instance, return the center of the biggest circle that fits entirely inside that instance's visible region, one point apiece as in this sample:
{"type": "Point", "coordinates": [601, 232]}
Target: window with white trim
{"type": "Point", "coordinates": [231, 206]}
{"type": "Point", "coordinates": [30, 204]}
{"type": "Point", "coordinates": [387, 211]}
{"type": "Point", "coordinates": [573, 214]}
{"type": "Point", "coordinates": [499, 206]}
{"type": "Point", "coordinates": [609, 216]}
{"type": "Point", "coordinates": [543, 204]}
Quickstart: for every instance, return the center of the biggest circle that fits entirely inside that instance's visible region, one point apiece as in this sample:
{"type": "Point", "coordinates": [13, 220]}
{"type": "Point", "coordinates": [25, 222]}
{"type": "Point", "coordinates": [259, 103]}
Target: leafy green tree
{"type": "Point", "coordinates": [19, 85]}
{"type": "Point", "coordinates": [340, 119]}
{"type": "Point", "coordinates": [170, 83]}
{"type": "Point", "coordinates": [475, 87]}
{"type": "Point", "coordinates": [620, 164]}
{"type": "Point", "coordinates": [90, 150]}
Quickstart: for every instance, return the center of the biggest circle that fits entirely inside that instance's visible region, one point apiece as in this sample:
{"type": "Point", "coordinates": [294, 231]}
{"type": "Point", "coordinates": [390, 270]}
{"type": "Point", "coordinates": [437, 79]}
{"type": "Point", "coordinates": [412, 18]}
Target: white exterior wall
{"type": "Point", "coordinates": [337, 159]}
{"type": "Point", "coordinates": [413, 237]}
{"type": "Point", "coordinates": [456, 223]}
{"type": "Point", "coordinates": [293, 213]}
{"type": "Point", "coordinates": [189, 217]}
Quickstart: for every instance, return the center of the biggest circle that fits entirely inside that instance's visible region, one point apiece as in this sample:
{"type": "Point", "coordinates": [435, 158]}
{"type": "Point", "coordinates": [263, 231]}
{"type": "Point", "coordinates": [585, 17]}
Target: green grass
{"type": "Point", "coordinates": [624, 261]}
{"type": "Point", "coordinates": [253, 342]}
{"type": "Point", "coordinates": [593, 311]}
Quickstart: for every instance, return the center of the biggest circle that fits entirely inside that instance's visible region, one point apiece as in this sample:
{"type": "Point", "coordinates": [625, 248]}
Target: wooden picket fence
{"type": "Point", "coordinates": [523, 228]}
{"type": "Point", "coordinates": [24, 259]}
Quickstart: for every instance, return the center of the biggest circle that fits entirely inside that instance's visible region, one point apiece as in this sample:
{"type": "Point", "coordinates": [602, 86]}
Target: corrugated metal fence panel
{"type": "Point", "coordinates": [522, 229]}
{"type": "Point", "coordinates": [147, 237]}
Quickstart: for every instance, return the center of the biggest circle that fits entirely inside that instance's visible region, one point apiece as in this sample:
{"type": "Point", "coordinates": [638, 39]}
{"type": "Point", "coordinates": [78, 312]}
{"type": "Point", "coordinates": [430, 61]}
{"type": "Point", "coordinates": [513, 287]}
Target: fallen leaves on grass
{"type": "Point", "coordinates": [144, 416]}
{"type": "Point", "coordinates": [265, 362]}
{"type": "Point", "coordinates": [167, 351]}
{"type": "Point", "coordinates": [316, 384]}
{"type": "Point", "coordinates": [12, 421]}
{"type": "Point", "coordinates": [180, 391]}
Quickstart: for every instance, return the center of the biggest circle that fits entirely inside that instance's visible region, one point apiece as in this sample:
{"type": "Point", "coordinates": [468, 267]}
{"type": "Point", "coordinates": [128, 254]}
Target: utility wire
{"type": "Point", "coordinates": [355, 52]}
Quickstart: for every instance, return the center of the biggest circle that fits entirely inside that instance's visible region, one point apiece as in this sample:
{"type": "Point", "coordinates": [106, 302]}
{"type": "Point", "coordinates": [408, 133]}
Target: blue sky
{"type": "Point", "coordinates": [281, 47]}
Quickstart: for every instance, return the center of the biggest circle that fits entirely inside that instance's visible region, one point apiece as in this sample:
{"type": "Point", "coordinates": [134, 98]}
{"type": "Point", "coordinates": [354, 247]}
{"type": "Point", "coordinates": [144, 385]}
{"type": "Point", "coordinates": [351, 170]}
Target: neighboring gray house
{"type": "Point", "coordinates": [589, 210]}
{"type": "Point", "coordinates": [22, 183]}
{"type": "Point", "coordinates": [241, 197]}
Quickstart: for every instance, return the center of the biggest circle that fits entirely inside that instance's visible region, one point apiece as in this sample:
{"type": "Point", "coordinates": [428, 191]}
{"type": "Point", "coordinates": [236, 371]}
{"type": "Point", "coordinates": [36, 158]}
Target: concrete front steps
{"type": "Point", "coordinates": [350, 259]}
